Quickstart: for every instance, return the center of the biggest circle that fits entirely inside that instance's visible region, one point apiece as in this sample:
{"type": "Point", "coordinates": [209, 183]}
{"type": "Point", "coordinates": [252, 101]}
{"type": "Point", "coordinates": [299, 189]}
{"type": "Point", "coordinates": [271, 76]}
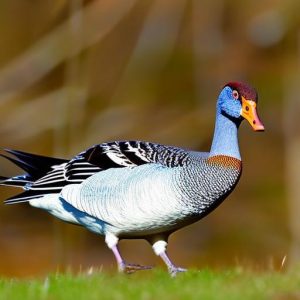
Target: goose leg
{"type": "Point", "coordinates": [112, 242]}
{"type": "Point", "coordinates": [160, 248]}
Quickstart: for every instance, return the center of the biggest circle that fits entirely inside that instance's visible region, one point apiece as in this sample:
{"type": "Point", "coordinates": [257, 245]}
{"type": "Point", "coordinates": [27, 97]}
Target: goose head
{"type": "Point", "coordinates": [237, 101]}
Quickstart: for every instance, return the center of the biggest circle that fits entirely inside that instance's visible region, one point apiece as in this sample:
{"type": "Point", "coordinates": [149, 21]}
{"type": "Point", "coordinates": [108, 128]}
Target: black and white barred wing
{"type": "Point", "coordinates": [133, 153]}
{"type": "Point", "coordinates": [123, 154]}
{"type": "Point", "coordinates": [96, 159]}
{"type": "Point", "coordinates": [117, 154]}
{"type": "Point", "coordinates": [113, 155]}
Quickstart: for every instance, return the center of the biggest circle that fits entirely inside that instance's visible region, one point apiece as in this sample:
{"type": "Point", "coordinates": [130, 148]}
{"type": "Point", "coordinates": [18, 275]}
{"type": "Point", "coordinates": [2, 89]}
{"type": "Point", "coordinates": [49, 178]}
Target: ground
{"type": "Point", "coordinates": [231, 284]}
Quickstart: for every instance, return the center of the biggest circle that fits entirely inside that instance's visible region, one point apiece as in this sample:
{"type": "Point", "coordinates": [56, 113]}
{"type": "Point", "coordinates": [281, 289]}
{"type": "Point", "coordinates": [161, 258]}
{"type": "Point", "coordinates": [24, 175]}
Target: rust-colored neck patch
{"type": "Point", "coordinates": [225, 161]}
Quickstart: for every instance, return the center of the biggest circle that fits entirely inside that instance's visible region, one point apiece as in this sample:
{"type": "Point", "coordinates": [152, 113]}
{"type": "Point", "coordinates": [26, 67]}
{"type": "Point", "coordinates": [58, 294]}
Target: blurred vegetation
{"type": "Point", "coordinates": [76, 73]}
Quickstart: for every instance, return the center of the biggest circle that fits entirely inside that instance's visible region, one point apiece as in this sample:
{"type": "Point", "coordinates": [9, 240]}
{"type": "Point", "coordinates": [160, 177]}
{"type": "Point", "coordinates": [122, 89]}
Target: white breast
{"type": "Point", "coordinates": [131, 200]}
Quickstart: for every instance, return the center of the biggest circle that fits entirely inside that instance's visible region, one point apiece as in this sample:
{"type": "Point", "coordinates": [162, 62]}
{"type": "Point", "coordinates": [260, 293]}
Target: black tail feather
{"type": "Point", "coordinates": [23, 197]}
{"type": "Point", "coordinates": [24, 166]}
{"type": "Point", "coordinates": [17, 181]}
{"type": "Point", "coordinates": [35, 165]}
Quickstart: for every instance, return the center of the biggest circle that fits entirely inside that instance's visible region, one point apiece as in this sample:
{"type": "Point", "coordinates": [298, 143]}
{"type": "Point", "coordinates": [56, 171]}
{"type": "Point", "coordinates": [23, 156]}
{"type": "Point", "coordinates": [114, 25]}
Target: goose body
{"type": "Point", "coordinates": [135, 189]}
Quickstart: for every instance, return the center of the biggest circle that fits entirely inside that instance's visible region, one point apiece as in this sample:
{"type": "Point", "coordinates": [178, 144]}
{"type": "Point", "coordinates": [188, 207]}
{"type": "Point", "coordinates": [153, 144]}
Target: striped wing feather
{"type": "Point", "coordinates": [123, 154]}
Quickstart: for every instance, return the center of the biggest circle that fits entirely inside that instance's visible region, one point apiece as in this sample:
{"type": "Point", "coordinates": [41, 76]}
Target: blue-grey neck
{"type": "Point", "coordinates": [225, 140]}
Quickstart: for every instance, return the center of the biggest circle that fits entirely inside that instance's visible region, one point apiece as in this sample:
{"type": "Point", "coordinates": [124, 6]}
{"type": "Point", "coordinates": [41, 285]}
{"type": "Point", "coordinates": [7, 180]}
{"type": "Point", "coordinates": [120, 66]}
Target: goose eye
{"type": "Point", "coordinates": [235, 94]}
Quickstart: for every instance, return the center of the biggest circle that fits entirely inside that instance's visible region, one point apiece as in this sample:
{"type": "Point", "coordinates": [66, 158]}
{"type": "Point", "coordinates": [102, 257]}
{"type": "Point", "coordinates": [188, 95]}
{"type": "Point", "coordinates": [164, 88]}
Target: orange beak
{"type": "Point", "coordinates": [250, 114]}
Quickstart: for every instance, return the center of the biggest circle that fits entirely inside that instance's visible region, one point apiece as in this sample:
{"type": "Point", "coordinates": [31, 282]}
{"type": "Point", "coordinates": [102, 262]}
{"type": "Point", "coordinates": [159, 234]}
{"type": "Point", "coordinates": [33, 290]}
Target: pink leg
{"type": "Point", "coordinates": [117, 254]}
{"type": "Point", "coordinates": [125, 267]}
{"type": "Point", "coordinates": [159, 248]}
{"type": "Point", "coordinates": [173, 270]}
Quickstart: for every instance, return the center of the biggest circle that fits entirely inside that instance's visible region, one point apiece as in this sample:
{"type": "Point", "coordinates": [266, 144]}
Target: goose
{"type": "Point", "coordinates": [140, 190]}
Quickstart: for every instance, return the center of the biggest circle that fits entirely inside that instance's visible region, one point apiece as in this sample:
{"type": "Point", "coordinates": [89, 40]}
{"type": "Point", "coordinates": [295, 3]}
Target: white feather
{"type": "Point", "coordinates": [138, 152]}
{"type": "Point", "coordinates": [129, 200]}
{"type": "Point", "coordinates": [54, 206]}
{"type": "Point", "coordinates": [119, 159]}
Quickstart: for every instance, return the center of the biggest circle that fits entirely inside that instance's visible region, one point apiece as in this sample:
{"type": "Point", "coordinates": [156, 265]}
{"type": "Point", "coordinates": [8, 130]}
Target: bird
{"type": "Point", "coordinates": [140, 190]}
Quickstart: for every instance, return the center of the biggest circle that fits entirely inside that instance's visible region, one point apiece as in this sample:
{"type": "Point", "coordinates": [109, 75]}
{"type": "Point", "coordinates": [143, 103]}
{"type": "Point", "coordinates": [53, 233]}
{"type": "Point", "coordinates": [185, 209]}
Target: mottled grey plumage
{"type": "Point", "coordinates": [206, 182]}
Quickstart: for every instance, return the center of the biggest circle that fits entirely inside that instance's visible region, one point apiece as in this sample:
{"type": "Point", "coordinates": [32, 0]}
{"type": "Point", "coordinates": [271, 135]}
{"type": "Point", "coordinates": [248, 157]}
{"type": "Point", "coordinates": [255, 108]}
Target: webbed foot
{"type": "Point", "coordinates": [174, 270]}
{"type": "Point", "coordinates": [131, 268]}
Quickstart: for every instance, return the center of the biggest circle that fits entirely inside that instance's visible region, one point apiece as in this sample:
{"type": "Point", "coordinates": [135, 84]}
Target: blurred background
{"type": "Point", "coordinates": [77, 73]}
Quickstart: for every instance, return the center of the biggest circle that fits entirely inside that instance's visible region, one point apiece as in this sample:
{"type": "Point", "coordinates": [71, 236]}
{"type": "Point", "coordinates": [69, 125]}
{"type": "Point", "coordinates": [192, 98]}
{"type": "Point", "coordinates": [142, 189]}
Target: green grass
{"type": "Point", "coordinates": [204, 284]}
